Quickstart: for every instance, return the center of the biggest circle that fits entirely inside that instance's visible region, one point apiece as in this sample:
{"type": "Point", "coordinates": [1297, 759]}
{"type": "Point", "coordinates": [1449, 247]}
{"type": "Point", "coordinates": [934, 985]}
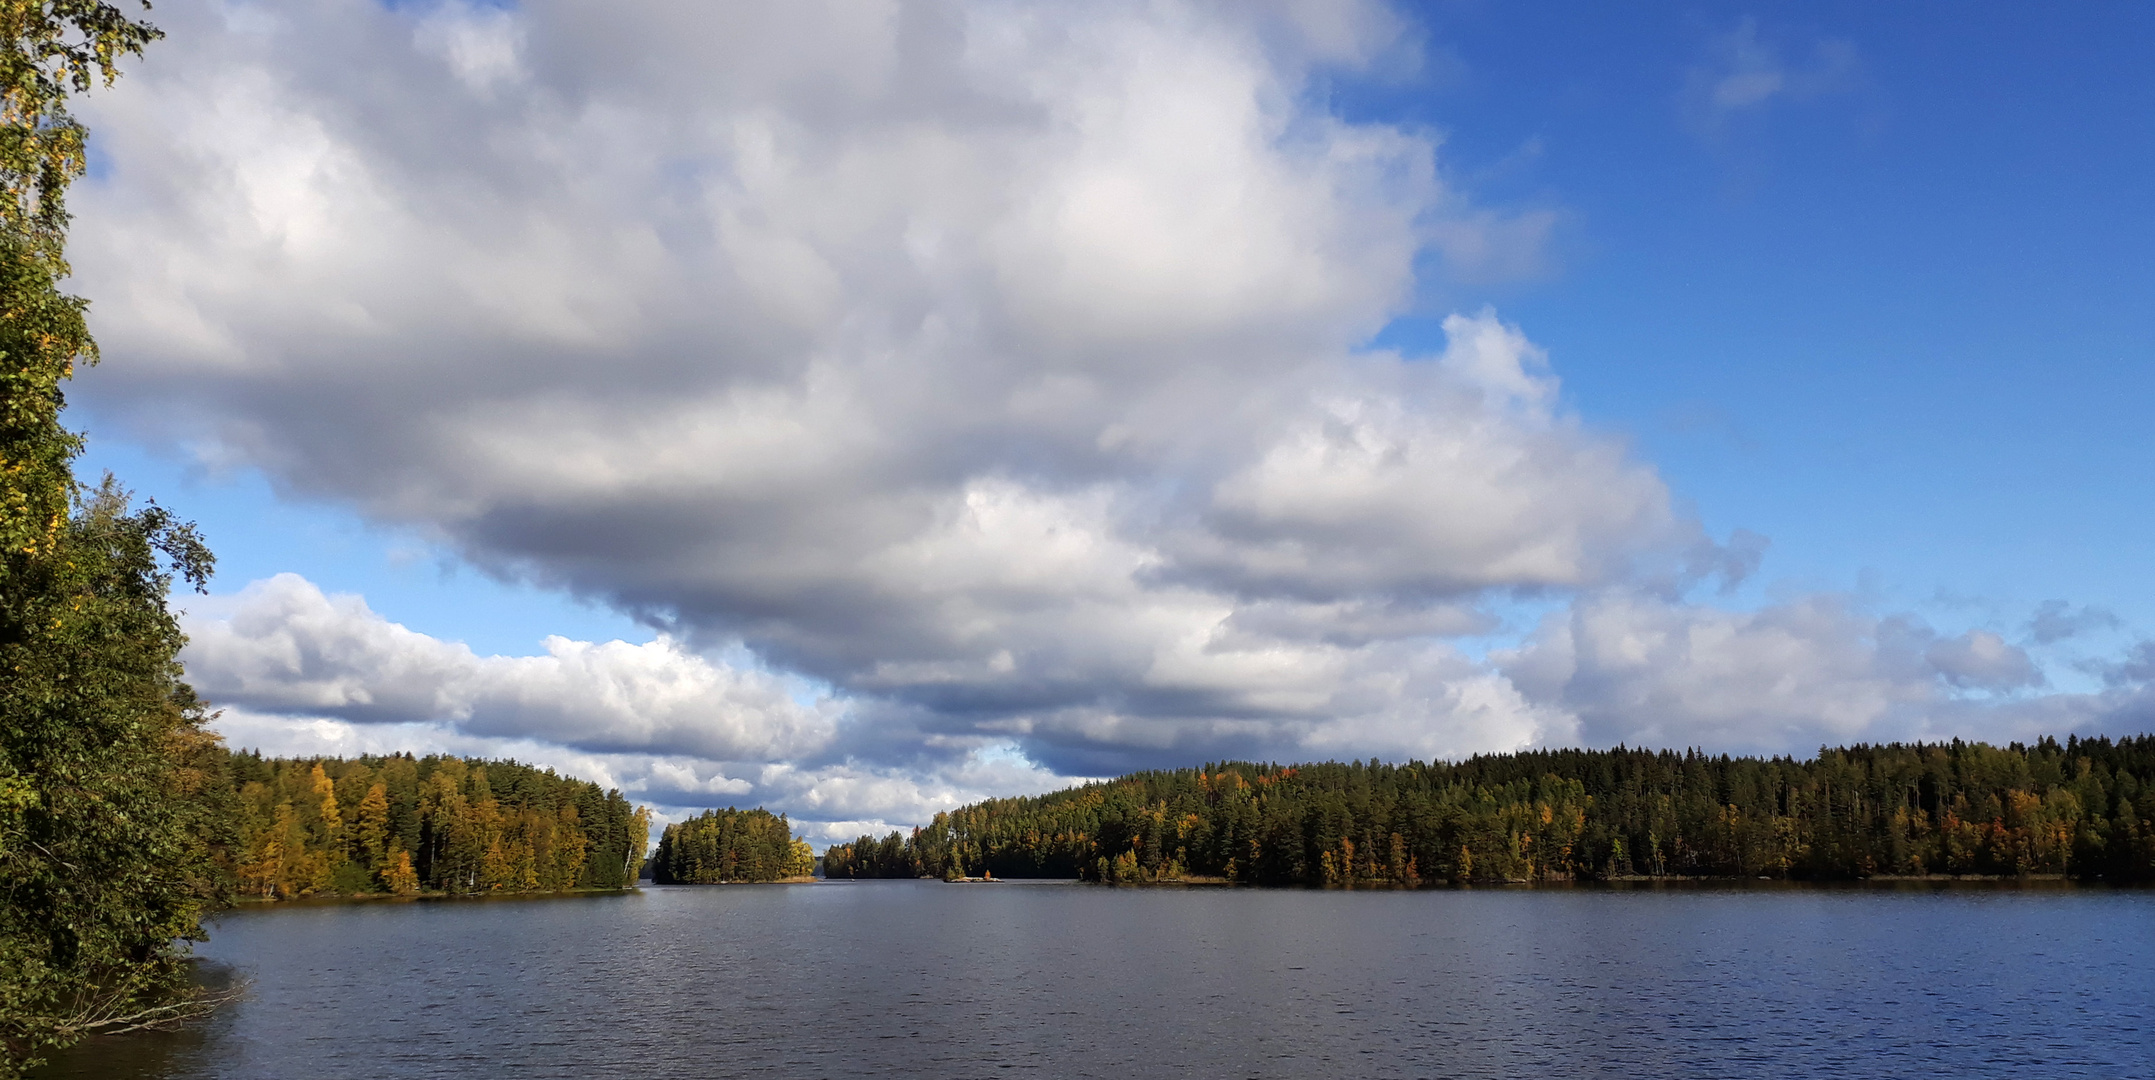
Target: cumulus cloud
{"type": "Point", "coordinates": [1982, 660]}
{"type": "Point", "coordinates": [296, 671]}
{"type": "Point", "coordinates": [1639, 669]}
{"type": "Point", "coordinates": [987, 363]}
{"type": "Point", "coordinates": [970, 391]}
{"type": "Point", "coordinates": [827, 802]}
{"type": "Point", "coordinates": [282, 645]}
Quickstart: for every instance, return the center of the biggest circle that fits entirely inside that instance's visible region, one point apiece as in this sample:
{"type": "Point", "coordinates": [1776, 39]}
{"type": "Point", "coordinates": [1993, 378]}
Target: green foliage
{"type": "Point", "coordinates": [729, 845]}
{"type": "Point", "coordinates": [110, 789]}
{"type": "Point", "coordinates": [2079, 809]}
{"type": "Point", "coordinates": [108, 793]}
{"type": "Point", "coordinates": [48, 50]}
{"type": "Point", "coordinates": [894, 856]}
{"type": "Point", "coordinates": [399, 824]}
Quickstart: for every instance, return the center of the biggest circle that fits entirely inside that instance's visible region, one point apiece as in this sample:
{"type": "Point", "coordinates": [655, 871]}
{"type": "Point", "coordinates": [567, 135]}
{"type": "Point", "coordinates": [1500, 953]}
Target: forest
{"type": "Point", "coordinates": [400, 824]}
{"type": "Point", "coordinates": [722, 846]}
{"type": "Point", "coordinates": [2081, 809]}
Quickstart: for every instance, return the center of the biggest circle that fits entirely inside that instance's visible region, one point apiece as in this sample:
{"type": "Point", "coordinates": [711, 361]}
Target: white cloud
{"type": "Point", "coordinates": [989, 369]}
{"type": "Point", "coordinates": [828, 802]}
{"type": "Point", "coordinates": [989, 362]}
{"type": "Point", "coordinates": [297, 672]}
{"type": "Point", "coordinates": [1786, 678]}
{"type": "Point", "coordinates": [1982, 660]}
{"type": "Point", "coordinates": [479, 43]}
{"type": "Point", "coordinates": [280, 645]}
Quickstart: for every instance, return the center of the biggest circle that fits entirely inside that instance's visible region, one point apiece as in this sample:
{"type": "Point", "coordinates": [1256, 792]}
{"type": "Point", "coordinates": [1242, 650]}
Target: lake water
{"type": "Point", "coordinates": [844, 979]}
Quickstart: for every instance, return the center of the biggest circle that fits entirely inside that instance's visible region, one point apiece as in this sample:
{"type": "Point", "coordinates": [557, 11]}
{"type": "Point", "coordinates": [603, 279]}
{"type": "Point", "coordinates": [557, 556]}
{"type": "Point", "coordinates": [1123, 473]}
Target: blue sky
{"type": "Point", "coordinates": [257, 533]}
{"type": "Point", "coordinates": [1871, 282]}
{"type": "Point", "coordinates": [1899, 322]}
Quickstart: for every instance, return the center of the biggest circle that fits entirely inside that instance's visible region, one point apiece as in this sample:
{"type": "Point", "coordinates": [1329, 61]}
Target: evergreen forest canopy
{"type": "Point", "coordinates": [725, 846]}
{"type": "Point", "coordinates": [2081, 809]}
{"type": "Point", "coordinates": [399, 824]}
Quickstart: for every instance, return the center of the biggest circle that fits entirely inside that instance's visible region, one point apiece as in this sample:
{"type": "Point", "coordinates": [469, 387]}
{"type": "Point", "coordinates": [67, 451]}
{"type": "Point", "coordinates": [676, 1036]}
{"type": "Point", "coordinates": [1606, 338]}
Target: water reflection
{"type": "Point", "coordinates": [906, 978]}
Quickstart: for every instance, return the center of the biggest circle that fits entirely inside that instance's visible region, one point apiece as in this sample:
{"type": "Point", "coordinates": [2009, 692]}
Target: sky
{"type": "Point", "coordinates": [859, 409]}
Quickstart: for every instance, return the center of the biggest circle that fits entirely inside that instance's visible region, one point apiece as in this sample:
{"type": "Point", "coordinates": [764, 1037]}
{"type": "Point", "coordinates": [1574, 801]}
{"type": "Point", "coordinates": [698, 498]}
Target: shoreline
{"type": "Point", "coordinates": [798, 879]}
{"type": "Point", "coordinates": [256, 903]}
{"type": "Point", "coordinates": [1635, 883]}
{"type": "Point", "coordinates": [1881, 882]}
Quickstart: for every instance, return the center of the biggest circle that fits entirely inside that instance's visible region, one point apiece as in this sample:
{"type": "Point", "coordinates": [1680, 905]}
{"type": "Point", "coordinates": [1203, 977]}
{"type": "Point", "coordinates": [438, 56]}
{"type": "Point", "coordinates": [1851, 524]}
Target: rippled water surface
{"type": "Point", "coordinates": [926, 979]}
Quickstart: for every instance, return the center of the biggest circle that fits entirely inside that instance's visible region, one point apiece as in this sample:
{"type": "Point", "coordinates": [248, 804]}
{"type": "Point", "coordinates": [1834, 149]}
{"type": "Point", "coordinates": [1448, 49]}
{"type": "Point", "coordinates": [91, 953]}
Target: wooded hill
{"type": "Point", "coordinates": [2082, 808]}
{"type": "Point", "coordinates": [400, 824]}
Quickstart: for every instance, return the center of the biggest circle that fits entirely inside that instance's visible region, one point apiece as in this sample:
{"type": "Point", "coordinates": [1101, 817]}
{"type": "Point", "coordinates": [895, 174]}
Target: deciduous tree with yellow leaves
{"type": "Point", "coordinates": [404, 825]}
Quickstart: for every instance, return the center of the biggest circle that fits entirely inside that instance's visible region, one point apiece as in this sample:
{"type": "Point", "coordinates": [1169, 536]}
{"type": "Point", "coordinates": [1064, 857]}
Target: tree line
{"type": "Point", "coordinates": [719, 846]}
{"type": "Point", "coordinates": [400, 824]}
{"type": "Point", "coordinates": [2081, 809]}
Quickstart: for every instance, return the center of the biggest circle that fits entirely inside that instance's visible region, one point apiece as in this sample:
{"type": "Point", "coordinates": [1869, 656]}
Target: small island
{"type": "Point", "coordinates": [724, 847]}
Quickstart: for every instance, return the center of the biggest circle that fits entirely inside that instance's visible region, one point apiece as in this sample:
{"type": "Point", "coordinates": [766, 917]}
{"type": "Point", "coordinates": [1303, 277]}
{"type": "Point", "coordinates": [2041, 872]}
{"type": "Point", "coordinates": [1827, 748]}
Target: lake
{"type": "Point", "coordinates": [903, 978]}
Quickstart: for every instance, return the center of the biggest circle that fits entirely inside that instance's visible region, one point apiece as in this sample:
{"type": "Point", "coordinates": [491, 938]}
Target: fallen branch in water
{"type": "Point", "coordinates": [116, 1015]}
